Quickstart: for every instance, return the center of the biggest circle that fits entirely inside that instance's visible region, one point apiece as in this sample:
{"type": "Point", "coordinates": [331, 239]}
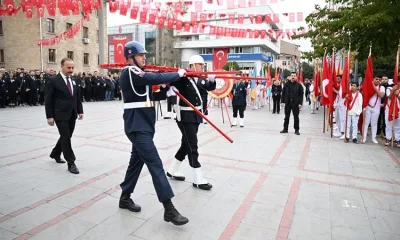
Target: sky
{"type": "Point", "coordinates": [283, 6]}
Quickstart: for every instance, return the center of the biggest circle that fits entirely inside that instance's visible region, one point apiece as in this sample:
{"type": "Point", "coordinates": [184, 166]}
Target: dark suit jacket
{"type": "Point", "coordinates": [298, 93]}
{"type": "Point", "coordinates": [59, 103]}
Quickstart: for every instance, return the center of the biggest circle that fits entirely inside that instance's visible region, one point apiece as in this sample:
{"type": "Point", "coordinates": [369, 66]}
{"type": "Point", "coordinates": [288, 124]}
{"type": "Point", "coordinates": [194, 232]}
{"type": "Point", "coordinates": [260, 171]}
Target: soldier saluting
{"type": "Point", "coordinates": [139, 122]}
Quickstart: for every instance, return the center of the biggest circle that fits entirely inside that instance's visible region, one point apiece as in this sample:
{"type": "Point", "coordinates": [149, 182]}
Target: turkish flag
{"type": "Point", "coordinates": [199, 6]}
{"type": "Point", "coordinates": [193, 17]}
{"type": "Point", "coordinates": [240, 18]}
{"type": "Point", "coordinates": [203, 17]}
{"type": "Point", "coordinates": [40, 12]}
{"type": "Point", "coordinates": [212, 30]}
{"type": "Point", "coordinates": [119, 50]}
{"type": "Point", "coordinates": [259, 19]}
{"type": "Point", "coordinates": [161, 22]}
{"type": "Point", "coordinates": [346, 76]}
{"type": "Point", "coordinates": [394, 107]}
{"type": "Point", "coordinates": [368, 86]}
{"type": "Point", "coordinates": [291, 17]}
{"type": "Point", "coordinates": [170, 23]}
{"type": "Point", "coordinates": [143, 17]}
{"type": "Point", "coordinates": [195, 27]}
{"type": "Point", "coordinates": [299, 16]}
{"type": "Point", "coordinates": [251, 17]}
{"type": "Point", "coordinates": [179, 24]}
{"type": "Point", "coordinates": [28, 11]}
{"type": "Point", "coordinates": [202, 28]}
{"type": "Point", "coordinates": [152, 17]}
{"type": "Point", "coordinates": [220, 58]}
{"type": "Point", "coordinates": [134, 12]}
{"type": "Point", "coordinates": [186, 26]}
{"type": "Point", "coordinates": [231, 18]}
{"type": "Point", "coordinates": [178, 7]}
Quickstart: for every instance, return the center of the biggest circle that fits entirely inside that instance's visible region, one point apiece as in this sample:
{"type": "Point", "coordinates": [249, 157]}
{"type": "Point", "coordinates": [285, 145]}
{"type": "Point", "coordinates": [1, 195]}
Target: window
{"type": "Point", "coordinates": [2, 56]}
{"type": "Point", "coordinates": [86, 59]}
{"type": "Point", "coordinates": [85, 32]}
{"type": "Point", "coordinates": [70, 55]}
{"type": "Point", "coordinates": [69, 25]}
{"type": "Point", "coordinates": [50, 25]}
{"type": "Point", "coordinates": [52, 55]}
{"type": "Point", "coordinates": [1, 27]}
{"type": "Point", "coordinates": [284, 63]}
{"type": "Point", "coordinates": [97, 36]}
{"type": "Point", "coordinates": [205, 51]}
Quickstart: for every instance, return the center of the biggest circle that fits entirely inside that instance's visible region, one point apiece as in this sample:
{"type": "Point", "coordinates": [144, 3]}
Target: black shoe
{"type": "Point", "coordinates": [297, 132]}
{"type": "Point", "coordinates": [203, 186]}
{"type": "Point", "coordinates": [172, 215]}
{"type": "Point", "coordinates": [176, 178]}
{"type": "Point", "coordinates": [73, 169]}
{"type": "Point", "coordinates": [354, 140]}
{"type": "Point", "coordinates": [347, 140]}
{"type": "Point", "coordinates": [58, 159]}
{"type": "Point", "coordinates": [125, 202]}
{"type": "Point", "coordinates": [284, 131]}
{"type": "Point", "coordinates": [167, 118]}
{"type": "Point", "coordinates": [273, 112]}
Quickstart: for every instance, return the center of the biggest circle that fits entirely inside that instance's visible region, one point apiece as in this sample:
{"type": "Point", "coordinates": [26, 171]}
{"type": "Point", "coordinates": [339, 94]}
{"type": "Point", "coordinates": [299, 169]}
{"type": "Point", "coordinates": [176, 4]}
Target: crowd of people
{"type": "Point", "coordinates": [22, 87]}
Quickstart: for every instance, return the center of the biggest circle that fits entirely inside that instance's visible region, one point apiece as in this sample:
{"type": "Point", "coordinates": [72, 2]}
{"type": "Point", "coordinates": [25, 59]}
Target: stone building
{"type": "Point", "coordinates": [289, 56]}
{"type": "Point", "coordinates": [19, 37]}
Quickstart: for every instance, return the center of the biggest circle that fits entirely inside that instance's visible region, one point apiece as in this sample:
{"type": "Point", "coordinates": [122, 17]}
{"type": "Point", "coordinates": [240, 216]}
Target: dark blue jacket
{"type": "Point", "coordinates": [141, 119]}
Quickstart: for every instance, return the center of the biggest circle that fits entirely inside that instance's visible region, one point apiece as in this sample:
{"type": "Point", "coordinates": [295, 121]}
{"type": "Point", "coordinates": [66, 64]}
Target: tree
{"type": "Point", "coordinates": [308, 70]}
{"type": "Point", "coordinates": [361, 22]}
{"type": "Point", "coordinates": [231, 65]}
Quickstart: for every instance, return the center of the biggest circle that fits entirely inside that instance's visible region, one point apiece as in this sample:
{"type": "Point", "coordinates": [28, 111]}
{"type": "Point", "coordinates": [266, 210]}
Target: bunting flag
{"type": "Point", "coordinates": [368, 88]}
{"type": "Point", "coordinates": [394, 107]}
{"type": "Point", "coordinates": [70, 33]}
{"type": "Point", "coordinates": [345, 84]}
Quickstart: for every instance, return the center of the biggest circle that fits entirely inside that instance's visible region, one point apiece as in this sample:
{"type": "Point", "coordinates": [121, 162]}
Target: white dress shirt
{"type": "Point", "coordinates": [70, 82]}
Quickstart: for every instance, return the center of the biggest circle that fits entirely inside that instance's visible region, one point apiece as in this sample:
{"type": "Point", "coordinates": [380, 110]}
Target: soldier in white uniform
{"type": "Point", "coordinates": [372, 111]}
{"type": "Point", "coordinates": [389, 93]}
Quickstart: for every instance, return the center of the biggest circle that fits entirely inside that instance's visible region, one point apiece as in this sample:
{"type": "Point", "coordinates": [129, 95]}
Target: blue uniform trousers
{"type": "Point", "coordinates": [144, 152]}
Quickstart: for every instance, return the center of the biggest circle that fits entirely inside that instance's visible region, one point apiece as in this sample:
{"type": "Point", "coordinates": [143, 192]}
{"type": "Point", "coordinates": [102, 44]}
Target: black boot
{"type": "Point", "coordinates": [125, 202]}
{"type": "Point", "coordinates": [172, 215]}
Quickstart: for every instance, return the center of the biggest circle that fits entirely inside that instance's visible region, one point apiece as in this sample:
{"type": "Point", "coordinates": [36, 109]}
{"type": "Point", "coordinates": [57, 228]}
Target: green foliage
{"type": "Point", "coordinates": [234, 65]}
{"type": "Point", "coordinates": [308, 70]}
{"type": "Point", "coordinates": [361, 22]}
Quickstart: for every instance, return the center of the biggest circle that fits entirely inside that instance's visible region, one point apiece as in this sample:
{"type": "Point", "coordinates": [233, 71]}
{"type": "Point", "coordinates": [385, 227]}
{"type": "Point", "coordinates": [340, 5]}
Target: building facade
{"type": "Point", "coordinates": [249, 53]}
{"type": "Point", "coordinates": [19, 37]}
{"type": "Point", "coordinates": [289, 56]}
{"type": "Point", "coordinates": [158, 42]}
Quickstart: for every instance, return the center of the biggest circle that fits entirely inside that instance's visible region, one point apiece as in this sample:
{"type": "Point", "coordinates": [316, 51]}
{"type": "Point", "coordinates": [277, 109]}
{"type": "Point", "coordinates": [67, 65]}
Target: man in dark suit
{"type": "Point", "coordinates": [292, 99]}
{"type": "Point", "coordinates": [63, 107]}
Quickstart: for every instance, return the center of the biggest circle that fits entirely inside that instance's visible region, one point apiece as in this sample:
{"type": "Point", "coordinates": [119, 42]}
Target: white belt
{"type": "Point", "coordinates": [189, 108]}
{"type": "Point", "coordinates": [138, 105]}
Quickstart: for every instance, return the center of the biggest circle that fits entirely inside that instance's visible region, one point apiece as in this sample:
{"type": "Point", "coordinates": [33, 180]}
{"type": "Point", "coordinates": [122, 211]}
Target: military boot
{"type": "Point", "coordinates": [172, 215]}
{"type": "Point", "coordinates": [125, 202]}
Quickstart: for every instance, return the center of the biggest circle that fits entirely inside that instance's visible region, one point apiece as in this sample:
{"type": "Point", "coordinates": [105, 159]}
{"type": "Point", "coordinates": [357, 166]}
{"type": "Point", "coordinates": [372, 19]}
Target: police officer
{"type": "Point", "coordinates": [239, 101]}
{"type": "Point", "coordinates": [188, 122]}
{"type": "Point", "coordinates": [139, 121]}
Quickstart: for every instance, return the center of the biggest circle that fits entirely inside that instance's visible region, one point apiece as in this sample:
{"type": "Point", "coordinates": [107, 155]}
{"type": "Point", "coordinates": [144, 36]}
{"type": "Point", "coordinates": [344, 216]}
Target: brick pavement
{"type": "Point", "coordinates": [266, 185]}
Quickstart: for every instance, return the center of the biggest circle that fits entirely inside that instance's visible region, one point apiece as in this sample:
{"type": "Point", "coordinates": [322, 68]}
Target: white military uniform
{"type": "Point", "coordinates": [372, 114]}
{"type": "Point", "coordinates": [396, 122]}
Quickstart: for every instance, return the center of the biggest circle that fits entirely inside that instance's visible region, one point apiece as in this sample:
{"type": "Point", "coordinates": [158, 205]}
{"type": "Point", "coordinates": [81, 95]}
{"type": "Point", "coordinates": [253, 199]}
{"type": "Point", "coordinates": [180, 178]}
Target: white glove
{"type": "Point", "coordinates": [182, 72]}
{"type": "Point", "coordinates": [174, 88]}
{"type": "Point", "coordinates": [163, 85]}
{"type": "Point", "coordinates": [211, 77]}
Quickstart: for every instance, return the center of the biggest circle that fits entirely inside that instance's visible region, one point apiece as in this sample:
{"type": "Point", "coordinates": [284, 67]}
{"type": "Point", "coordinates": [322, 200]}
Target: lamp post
{"type": "Point", "coordinates": [101, 33]}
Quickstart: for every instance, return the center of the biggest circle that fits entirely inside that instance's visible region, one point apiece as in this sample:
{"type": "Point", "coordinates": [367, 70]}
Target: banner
{"type": "Point", "coordinates": [119, 44]}
{"type": "Point", "coordinates": [220, 57]}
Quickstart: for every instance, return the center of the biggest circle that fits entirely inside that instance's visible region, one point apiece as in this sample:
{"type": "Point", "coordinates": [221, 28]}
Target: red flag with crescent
{"type": "Point", "coordinates": [119, 44]}
{"type": "Point", "coordinates": [220, 57]}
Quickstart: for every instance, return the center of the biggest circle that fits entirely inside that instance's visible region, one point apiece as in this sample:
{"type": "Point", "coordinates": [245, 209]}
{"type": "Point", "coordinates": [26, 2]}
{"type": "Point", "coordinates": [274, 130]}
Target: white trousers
{"type": "Point", "coordinates": [352, 124]}
{"type": "Point", "coordinates": [389, 128]}
{"type": "Point", "coordinates": [371, 117]}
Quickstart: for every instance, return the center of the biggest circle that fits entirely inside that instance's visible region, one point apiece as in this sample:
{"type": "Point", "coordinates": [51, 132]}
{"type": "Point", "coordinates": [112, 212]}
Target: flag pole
{"type": "Point", "coordinates": [347, 103]}
{"type": "Point", "coordinates": [363, 126]}
{"type": "Point", "coordinates": [394, 98]}
{"type": "Point", "coordinates": [331, 112]}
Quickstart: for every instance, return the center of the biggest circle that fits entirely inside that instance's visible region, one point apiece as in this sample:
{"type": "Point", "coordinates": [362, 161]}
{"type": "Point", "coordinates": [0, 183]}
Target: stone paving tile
{"type": "Point", "coordinates": [6, 235]}
{"type": "Point", "coordinates": [345, 191]}
{"type": "Point", "coordinates": [33, 218]}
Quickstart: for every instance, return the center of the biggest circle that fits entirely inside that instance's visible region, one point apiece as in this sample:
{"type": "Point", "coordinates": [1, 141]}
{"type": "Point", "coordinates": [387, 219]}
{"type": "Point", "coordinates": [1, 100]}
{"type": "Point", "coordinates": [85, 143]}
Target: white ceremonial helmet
{"type": "Point", "coordinates": [196, 59]}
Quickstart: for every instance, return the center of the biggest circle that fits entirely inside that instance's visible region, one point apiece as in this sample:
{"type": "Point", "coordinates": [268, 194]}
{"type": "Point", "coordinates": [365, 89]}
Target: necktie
{"type": "Point", "coordinates": [69, 86]}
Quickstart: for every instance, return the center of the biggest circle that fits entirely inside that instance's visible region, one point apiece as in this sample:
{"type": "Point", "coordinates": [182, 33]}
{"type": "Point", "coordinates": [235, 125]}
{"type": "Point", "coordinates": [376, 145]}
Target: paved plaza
{"type": "Point", "coordinates": [265, 185]}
